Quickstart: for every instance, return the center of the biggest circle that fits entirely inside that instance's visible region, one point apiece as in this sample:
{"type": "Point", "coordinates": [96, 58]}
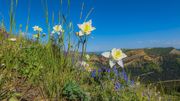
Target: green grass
{"type": "Point", "coordinates": [49, 70]}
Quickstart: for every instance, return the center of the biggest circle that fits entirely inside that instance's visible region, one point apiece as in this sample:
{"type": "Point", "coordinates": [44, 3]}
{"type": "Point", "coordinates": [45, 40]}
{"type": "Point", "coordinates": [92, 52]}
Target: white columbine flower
{"type": "Point", "coordinates": [57, 29]}
{"type": "Point", "coordinates": [37, 28]}
{"type": "Point", "coordinates": [86, 27]}
{"type": "Point", "coordinates": [115, 56]}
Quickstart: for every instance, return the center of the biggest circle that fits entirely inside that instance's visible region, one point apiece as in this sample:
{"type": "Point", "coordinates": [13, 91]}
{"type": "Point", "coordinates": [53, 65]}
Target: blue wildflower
{"type": "Point", "coordinates": [125, 75]}
{"type": "Point", "coordinates": [117, 86]}
{"type": "Point", "coordinates": [108, 70]}
{"type": "Point", "coordinates": [93, 74]}
{"type": "Point", "coordinates": [104, 68]}
{"type": "Point", "coordinates": [115, 71]}
{"type": "Point", "coordinates": [99, 72]}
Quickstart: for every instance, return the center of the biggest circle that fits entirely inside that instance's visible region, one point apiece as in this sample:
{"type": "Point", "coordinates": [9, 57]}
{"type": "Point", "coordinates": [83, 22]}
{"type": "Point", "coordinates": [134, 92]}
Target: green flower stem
{"type": "Point", "coordinates": [84, 47]}
{"type": "Point", "coordinates": [78, 45]}
{"type": "Point", "coordinates": [38, 38]}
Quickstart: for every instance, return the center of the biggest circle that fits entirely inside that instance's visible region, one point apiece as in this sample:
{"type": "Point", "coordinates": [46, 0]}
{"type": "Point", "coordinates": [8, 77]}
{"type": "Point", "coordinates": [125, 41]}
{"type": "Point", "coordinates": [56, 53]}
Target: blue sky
{"type": "Point", "coordinates": [119, 23]}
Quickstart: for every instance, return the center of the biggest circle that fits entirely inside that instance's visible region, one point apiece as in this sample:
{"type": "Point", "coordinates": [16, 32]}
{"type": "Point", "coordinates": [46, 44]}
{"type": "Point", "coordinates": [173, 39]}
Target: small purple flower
{"type": "Point", "coordinates": [103, 68]}
{"type": "Point", "coordinates": [117, 86]}
{"type": "Point", "coordinates": [115, 71]}
{"type": "Point", "coordinates": [108, 70]}
{"type": "Point", "coordinates": [99, 72]}
{"type": "Point", "coordinates": [93, 74]}
{"type": "Point", "coordinates": [125, 75]}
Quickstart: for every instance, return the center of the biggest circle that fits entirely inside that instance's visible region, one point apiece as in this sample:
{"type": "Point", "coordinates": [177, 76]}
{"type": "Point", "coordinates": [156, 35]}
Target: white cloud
{"type": "Point", "coordinates": [160, 43]}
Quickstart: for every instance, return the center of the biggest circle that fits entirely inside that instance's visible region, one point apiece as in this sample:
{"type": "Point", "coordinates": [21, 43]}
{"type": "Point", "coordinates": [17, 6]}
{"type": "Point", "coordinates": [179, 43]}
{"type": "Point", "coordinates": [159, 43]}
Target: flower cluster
{"type": "Point", "coordinates": [119, 78]}
{"type": "Point", "coordinates": [38, 31]}
{"type": "Point", "coordinates": [84, 65]}
{"type": "Point", "coordinates": [56, 29]}
{"type": "Point", "coordinates": [85, 30]}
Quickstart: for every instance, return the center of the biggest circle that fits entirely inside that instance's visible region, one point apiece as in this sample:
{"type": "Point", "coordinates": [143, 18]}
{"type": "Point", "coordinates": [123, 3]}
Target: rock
{"type": "Point", "coordinates": [175, 52]}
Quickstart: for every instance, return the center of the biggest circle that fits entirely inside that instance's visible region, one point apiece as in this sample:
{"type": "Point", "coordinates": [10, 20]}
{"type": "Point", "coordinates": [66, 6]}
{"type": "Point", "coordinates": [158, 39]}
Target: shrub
{"type": "Point", "coordinates": [71, 91]}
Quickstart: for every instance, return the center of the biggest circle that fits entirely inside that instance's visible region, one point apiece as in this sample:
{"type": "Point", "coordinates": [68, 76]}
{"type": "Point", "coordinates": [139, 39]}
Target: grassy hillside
{"type": "Point", "coordinates": [32, 71]}
{"type": "Point", "coordinates": [158, 51]}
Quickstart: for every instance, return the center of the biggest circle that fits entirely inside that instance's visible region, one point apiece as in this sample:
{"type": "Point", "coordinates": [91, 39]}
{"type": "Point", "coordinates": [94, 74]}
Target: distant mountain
{"type": "Point", "coordinates": [158, 51]}
{"type": "Point", "coordinates": [151, 64]}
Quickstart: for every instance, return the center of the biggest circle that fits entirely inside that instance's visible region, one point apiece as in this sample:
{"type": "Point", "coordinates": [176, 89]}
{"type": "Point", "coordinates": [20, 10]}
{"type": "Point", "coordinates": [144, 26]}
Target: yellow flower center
{"type": "Point", "coordinates": [117, 55]}
{"type": "Point", "coordinates": [87, 28]}
{"type": "Point", "coordinates": [39, 29]}
{"type": "Point", "coordinates": [57, 28]}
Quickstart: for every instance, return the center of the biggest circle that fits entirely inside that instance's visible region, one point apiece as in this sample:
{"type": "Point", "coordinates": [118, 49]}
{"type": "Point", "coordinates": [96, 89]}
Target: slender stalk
{"type": "Point", "coordinates": [11, 16]}
{"type": "Point", "coordinates": [85, 44]}
{"type": "Point", "coordinates": [89, 13]}
{"type": "Point", "coordinates": [81, 10]}
{"type": "Point", "coordinates": [52, 18]}
{"type": "Point", "coordinates": [84, 47]}
{"type": "Point", "coordinates": [78, 45]}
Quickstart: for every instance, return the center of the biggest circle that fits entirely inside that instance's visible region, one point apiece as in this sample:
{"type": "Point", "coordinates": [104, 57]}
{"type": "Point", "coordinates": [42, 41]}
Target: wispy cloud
{"type": "Point", "coordinates": [160, 43]}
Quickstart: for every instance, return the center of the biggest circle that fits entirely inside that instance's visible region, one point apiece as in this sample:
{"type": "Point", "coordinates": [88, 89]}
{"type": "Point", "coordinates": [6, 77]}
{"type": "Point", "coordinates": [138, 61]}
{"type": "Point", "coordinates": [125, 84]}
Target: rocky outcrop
{"type": "Point", "coordinates": [175, 52]}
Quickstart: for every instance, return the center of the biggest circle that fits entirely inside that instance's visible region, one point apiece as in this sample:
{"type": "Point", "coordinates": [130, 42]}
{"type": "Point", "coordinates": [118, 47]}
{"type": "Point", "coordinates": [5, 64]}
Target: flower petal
{"type": "Point", "coordinates": [93, 28]}
{"type": "Point", "coordinates": [111, 63]}
{"type": "Point", "coordinates": [120, 63]}
{"type": "Point", "coordinates": [80, 26]}
{"type": "Point", "coordinates": [124, 55]}
{"type": "Point", "coordinates": [113, 51]}
{"type": "Point", "coordinates": [88, 33]}
{"type": "Point", "coordinates": [106, 54]}
{"type": "Point", "coordinates": [81, 33]}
